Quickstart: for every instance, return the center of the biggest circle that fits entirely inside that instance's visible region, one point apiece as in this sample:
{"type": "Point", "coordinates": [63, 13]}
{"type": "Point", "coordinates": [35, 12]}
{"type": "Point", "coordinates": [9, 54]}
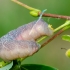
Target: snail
{"type": "Point", "coordinates": [17, 49]}
{"type": "Point", "coordinates": [21, 42]}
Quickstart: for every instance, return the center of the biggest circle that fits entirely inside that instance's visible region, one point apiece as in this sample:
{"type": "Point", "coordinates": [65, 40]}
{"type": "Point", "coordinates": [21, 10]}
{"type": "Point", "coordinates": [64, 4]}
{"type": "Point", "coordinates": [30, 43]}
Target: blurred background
{"type": "Point", "coordinates": [13, 15]}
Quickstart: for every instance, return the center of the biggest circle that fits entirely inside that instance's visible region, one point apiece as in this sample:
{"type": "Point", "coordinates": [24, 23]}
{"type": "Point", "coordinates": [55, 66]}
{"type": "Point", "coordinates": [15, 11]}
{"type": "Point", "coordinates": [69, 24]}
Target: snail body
{"type": "Point", "coordinates": [17, 49]}
{"type": "Point", "coordinates": [21, 42]}
{"type": "Point", "coordinates": [30, 31]}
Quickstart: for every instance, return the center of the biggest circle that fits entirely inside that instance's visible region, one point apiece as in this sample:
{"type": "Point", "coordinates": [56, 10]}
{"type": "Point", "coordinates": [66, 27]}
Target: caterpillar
{"type": "Point", "coordinates": [21, 42]}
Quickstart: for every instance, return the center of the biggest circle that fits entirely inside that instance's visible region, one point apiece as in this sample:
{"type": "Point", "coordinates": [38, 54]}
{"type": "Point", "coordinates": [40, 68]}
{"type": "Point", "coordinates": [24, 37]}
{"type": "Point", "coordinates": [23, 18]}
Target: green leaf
{"type": "Point", "coordinates": [36, 67]}
{"type": "Point", "coordinates": [66, 38]}
{"type": "Point", "coordinates": [34, 13]}
{"type": "Point", "coordinates": [7, 67]}
{"type": "Point", "coordinates": [68, 53]}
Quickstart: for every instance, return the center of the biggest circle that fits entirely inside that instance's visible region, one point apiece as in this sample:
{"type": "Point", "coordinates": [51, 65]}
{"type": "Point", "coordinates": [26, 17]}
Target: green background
{"type": "Point", "coordinates": [13, 15]}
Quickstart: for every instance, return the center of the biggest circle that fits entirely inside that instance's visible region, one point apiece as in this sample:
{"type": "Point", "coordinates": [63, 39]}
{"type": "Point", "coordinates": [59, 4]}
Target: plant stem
{"type": "Point", "coordinates": [55, 16]}
{"type": "Point", "coordinates": [58, 28]}
{"type": "Point", "coordinates": [53, 37]}
{"type": "Point", "coordinates": [63, 25]}
{"type": "Point", "coordinates": [24, 5]}
{"type": "Point", "coordinates": [39, 12]}
{"type": "Point", "coordinates": [58, 33]}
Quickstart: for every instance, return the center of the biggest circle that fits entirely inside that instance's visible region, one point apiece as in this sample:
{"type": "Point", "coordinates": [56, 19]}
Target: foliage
{"type": "Point", "coordinates": [7, 67]}
{"type": "Point", "coordinates": [66, 38]}
{"type": "Point", "coordinates": [36, 67]}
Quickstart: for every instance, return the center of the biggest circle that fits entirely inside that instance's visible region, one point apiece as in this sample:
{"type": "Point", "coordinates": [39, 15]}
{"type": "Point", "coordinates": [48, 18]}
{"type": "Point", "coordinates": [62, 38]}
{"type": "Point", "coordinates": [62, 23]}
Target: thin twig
{"type": "Point", "coordinates": [58, 33]}
{"type": "Point", "coordinates": [53, 37]}
{"type": "Point", "coordinates": [24, 5]}
{"type": "Point", "coordinates": [55, 16]}
{"type": "Point", "coordinates": [45, 14]}
{"type": "Point", "coordinates": [20, 3]}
